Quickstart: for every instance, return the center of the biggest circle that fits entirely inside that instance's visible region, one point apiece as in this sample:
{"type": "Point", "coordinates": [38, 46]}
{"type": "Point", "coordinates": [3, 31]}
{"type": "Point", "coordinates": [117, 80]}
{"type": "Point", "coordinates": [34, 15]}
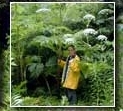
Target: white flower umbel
{"type": "Point", "coordinates": [43, 10]}
{"type": "Point", "coordinates": [121, 109]}
{"type": "Point", "coordinates": [102, 37]}
{"type": "Point", "coordinates": [89, 17]}
{"type": "Point", "coordinates": [69, 40]}
{"type": "Point", "coordinates": [105, 12]}
{"type": "Point", "coordinates": [89, 31]}
{"type": "Point", "coordinates": [67, 35]}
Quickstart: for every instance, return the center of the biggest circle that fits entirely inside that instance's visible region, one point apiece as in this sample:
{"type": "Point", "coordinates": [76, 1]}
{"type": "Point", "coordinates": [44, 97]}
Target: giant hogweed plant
{"type": "Point", "coordinates": [40, 51]}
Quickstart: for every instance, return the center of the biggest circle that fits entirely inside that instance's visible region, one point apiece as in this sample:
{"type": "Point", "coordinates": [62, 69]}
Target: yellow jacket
{"type": "Point", "coordinates": [73, 73]}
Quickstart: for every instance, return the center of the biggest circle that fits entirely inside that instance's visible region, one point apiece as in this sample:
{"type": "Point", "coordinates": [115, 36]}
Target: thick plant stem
{"type": "Point", "coordinates": [48, 86]}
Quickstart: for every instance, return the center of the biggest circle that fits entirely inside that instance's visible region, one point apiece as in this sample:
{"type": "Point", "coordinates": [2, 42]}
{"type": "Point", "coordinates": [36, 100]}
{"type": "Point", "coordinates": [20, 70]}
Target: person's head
{"type": "Point", "coordinates": [71, 49]}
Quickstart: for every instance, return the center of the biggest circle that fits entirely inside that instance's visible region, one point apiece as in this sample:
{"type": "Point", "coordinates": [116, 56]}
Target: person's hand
{"type": "Point", "coordinates": [59, 60]}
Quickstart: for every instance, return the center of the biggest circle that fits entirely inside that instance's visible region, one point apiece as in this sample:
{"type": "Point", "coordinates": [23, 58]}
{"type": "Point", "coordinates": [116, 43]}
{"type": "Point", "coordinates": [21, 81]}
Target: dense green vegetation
{"type": "Point", "coordinates": [40, 34]}
{"type": "Point", "coordinates": [4, 106]}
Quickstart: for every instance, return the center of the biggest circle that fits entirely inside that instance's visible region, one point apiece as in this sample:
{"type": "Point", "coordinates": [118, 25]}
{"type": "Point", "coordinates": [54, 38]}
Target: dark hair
{"type": "Point", "coordinates": [72, 46]}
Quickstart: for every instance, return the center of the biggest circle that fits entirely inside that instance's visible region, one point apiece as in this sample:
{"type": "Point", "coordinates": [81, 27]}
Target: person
{"type": "Point", "coordinates": [70, 75]}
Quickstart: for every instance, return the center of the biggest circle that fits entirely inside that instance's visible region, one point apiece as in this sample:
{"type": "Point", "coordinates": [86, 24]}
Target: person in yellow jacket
{"type": "Point", "coordinates": [71, 74]}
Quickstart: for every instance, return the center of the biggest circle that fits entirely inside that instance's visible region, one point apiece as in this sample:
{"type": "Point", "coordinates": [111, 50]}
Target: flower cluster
{"type": "Point", "coordinates": [43, 10]}
{"type": "Point", "coordinates": [102, 37]}
{"type": "Point", "coordinates": [69, 40]}
{"type": "Point", "coordinates": [105, 12]}
{"type": "Point", "coordinates": [89, 31]}
{"type": "Point", "coordinates": [67, 35]}
{"type": "Point", "coordinates": [89, 17]}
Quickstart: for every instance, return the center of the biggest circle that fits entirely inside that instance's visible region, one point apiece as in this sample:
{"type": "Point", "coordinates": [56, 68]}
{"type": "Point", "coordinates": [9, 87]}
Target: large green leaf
{"type": "Point", "coordinates": [35, 69]}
